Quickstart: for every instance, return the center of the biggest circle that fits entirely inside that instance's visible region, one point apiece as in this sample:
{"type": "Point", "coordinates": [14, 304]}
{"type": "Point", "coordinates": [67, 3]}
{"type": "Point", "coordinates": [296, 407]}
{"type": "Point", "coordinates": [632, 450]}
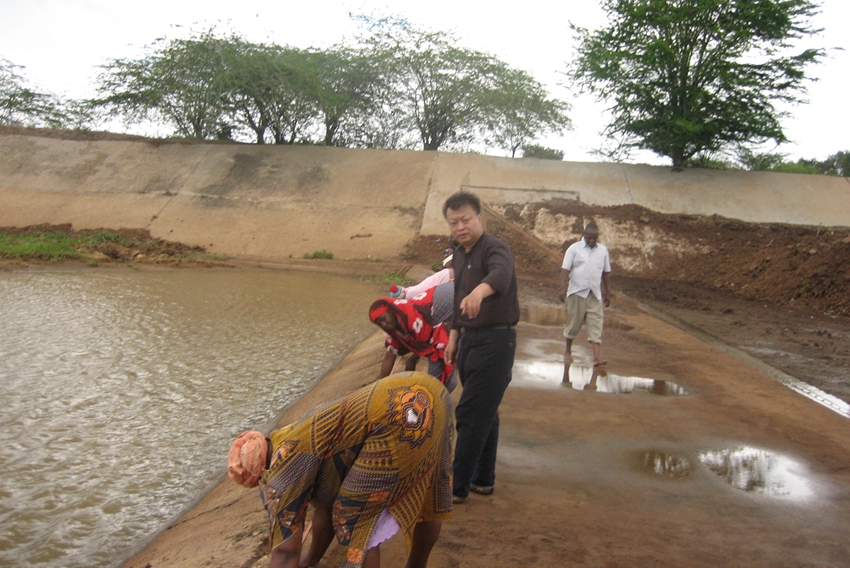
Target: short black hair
{"type": "Point", "coordinates": [591, 227]}
{"type": "Point", "coordinates": [460, 199]}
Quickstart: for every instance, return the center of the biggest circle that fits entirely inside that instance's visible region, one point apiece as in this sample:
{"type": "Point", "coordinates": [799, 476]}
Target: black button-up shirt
{"type": "Point", "coordinates": [490, 261]}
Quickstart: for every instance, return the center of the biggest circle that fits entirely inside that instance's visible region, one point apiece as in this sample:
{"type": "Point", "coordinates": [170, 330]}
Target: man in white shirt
{"type": "Point", "coordinates": [586, 268]}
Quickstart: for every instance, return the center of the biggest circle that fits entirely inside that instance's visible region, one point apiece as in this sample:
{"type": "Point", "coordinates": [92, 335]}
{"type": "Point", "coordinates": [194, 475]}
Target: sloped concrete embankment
{"type": "Point", "coordinates": [273, 201]}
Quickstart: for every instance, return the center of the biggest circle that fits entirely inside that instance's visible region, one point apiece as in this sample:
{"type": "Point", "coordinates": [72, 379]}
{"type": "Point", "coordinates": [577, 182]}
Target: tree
{"type": "Point", "coordinates": [270, 89]}
{"type": "Point", "coordinates": [522, 111]}
{"type": "Point", "coordinates": [22, 105]}
{"type": "Point", "coordinates": [348, 87]}
{"type": "Point", "coordinates": [759, 161]}
{"type": "Point", "coordinates": [837, 164]}
{"type": "Point", "coordinates": [181, 82]}
{"type": "Point", "coordinates": [452, 94]}
{"type": "Point", "coordinates": [686, 77]}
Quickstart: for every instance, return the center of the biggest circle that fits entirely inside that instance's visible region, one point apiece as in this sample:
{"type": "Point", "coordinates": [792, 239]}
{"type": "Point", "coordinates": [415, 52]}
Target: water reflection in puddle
{"type": "Point", "coordinates": [666, 465]}
{"type": "Point", "coordinates": [758, 471]}
{"type": "Point", "coordinates": [585, 377]}
{"type": "Point", "coordinates": [598, 379]}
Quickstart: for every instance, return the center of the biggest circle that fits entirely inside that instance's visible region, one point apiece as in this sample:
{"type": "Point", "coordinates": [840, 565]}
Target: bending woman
{"type": "Point", "coordinates": [418, 326]}
{"type": "Point", "coordinates": [372, 463]}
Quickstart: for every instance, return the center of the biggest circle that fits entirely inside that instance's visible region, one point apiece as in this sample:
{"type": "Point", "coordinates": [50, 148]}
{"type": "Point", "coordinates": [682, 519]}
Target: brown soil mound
{"type": "Point", "coordinates": [784, 265]}
{"type": "Point", "coordinates": [780, 293]}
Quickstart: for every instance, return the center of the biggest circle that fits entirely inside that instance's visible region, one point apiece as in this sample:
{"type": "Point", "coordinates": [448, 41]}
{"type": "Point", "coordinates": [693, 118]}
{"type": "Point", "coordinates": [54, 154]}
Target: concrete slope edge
{"type": "Point", "coordinates": [829, 401]}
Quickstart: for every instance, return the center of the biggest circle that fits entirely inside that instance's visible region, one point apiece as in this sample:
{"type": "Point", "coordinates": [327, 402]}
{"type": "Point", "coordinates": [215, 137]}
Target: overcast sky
{"type": "Point", "coordinates": [61, 42]}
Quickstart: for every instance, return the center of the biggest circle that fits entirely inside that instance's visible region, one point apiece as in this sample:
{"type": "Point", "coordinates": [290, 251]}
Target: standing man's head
{"type": "Point", "coordinates": [463, 214]}
{"type": "Point", "coordinates": [591, 234]}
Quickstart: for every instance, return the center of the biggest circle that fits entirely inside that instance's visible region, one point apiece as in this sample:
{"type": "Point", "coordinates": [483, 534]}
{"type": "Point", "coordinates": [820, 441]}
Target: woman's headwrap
{"type": "Point", "coordinates": [247, 458]}
{"type": "Point", "coordinates": [379, 308]}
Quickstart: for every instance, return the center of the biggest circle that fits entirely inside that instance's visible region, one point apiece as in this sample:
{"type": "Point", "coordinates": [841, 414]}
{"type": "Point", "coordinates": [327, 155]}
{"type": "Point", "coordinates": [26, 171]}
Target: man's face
{"type": "Point", "coordinates": [465, 225]}
{"type": "Point", "coordinates": [590, 237]}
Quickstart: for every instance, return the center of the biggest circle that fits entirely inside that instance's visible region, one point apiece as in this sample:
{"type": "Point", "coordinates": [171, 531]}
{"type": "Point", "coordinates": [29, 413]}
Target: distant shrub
{"type": "Point", "coordinates": [796, 168]}
{"type": "Point", "coordinates": [542, 152]}
{"type": "Point", "coordinates": [709, 163]}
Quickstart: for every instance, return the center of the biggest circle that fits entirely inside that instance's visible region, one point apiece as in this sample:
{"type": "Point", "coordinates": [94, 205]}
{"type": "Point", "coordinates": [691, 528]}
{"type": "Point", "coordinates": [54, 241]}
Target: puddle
{"type": "Point", "coordinates": [666, 465]}
{"type": "Point", "coordinates": [758, 471]}
{"type": "Point", "coordinates": [582, 377]}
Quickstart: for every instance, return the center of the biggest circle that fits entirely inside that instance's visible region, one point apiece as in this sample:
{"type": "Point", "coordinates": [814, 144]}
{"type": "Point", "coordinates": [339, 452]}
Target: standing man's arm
{"type": "Point", "coordinates": [566, 266]}
{"type": "Point", "coordinates": [606, 290]}
{"type": "Point", "coordinates": [606, 284]}
{"type": "Point", "coordinates": [450, 354]}
{"type": "Point", "coordinates": [564, 282]}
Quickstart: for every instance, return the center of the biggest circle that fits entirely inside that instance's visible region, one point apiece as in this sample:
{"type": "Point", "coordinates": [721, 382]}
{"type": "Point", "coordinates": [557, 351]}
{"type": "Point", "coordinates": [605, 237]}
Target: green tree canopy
{"type": "Point", "coordinates": [453, 95]}
{"type": "Point", "coordinates": [269, 91]}
{"type": "Point", "coordinates": [348, 88]}
{"type": "Point", "coordinates": [23, 105]}
{"type": "Point", "coordinates": [181, 83]}
{"type": "Point", "coordinates": [687, 77]}
{"type": "Point", "coordinates": [521, 110]}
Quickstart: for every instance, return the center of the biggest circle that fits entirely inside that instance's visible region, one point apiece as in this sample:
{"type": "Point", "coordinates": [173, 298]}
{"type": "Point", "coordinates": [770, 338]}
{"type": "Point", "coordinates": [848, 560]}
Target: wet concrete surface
{"type": "Point", "coordinates": [735, 469]}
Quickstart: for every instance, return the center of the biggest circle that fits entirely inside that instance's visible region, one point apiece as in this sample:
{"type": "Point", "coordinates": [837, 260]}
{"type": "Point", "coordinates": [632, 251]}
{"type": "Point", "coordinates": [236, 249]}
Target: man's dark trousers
{"type": "Point", "coordinates": [485, 359]}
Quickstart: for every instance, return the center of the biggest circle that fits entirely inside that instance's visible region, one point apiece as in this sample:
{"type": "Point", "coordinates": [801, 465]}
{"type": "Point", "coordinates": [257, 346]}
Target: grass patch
{"type": "Point", "coordinates": [47, 246]}
{"type": "Point", "coordinates": [56, 243]}
{"type": "Point", "coordinates": [319, 254]}
{"type": "Point", "coordinates": [391, 278]}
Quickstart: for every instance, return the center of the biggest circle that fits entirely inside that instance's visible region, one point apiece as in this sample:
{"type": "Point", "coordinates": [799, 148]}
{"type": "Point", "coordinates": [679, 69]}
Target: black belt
{"type": "Point", "coordinates": [484, 328]}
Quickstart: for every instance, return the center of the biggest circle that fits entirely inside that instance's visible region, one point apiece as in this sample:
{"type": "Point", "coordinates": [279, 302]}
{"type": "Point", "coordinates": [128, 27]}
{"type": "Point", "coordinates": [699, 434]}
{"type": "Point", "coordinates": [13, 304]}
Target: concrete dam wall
{"type": "Point", "coordinates": [277, 201]}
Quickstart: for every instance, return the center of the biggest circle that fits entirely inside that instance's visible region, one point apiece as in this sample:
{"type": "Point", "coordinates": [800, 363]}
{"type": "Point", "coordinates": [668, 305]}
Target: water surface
{"type": "Point", "coordinates": [121, 391]}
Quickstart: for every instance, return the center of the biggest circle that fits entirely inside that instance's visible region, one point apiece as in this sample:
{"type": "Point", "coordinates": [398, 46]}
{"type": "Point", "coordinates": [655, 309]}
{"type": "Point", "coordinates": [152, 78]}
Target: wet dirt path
{"type": "Point", "coordinates": [691, 458]}
{"type": "Point", "coordinates": [728, 468]}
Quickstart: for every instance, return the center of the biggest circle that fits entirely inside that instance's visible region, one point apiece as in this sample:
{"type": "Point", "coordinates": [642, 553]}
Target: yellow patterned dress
{"type": "Point", "coordinates": [386, 446]}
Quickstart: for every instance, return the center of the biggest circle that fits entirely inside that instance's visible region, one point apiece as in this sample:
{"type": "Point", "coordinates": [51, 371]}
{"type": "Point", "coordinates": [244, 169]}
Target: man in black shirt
{"type": "Point", "coordinates": [482, 341]}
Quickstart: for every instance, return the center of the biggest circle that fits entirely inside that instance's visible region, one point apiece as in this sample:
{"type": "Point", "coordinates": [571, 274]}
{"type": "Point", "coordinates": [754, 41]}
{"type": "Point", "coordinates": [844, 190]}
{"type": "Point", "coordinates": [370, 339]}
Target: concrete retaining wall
{"type": "Point", "coordinates": [276, 201]}
{"type": "Point", "coordinates": [749, 196]}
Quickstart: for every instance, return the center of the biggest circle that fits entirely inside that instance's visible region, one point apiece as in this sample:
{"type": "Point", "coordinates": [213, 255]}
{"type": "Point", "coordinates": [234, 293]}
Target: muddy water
{"type": "Point", "coordinates": [121, 392]}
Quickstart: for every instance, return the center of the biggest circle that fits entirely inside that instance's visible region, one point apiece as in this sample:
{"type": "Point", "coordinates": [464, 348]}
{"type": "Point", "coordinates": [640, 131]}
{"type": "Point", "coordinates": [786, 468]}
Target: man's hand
{"type": "Point", "coordinates": [563, 282]}
{"type": "Point", "coordinates": [470, 306]}
{"type": "Point", "coordinates": [450, 354]}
